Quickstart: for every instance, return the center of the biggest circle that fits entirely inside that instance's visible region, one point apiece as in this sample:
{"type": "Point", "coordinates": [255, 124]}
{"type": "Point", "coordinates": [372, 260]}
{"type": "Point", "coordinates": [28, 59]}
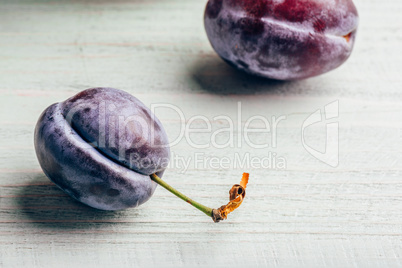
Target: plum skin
{"type": "Point", "coordinates": [282, 39]}
{"type": "Point", "coordinates": [68, 144]}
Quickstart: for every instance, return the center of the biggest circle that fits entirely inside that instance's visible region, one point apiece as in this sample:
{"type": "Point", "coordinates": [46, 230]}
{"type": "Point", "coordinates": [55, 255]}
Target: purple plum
{"type": "Point", "coordinates": [101, 146]}
{"type": "Point", "coordinates": [282, 39]}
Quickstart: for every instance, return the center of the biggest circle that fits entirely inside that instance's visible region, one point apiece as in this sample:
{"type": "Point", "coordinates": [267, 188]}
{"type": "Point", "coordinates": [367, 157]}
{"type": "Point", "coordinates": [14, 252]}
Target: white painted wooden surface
{"type": "Point", "coordinates": [305, 215]}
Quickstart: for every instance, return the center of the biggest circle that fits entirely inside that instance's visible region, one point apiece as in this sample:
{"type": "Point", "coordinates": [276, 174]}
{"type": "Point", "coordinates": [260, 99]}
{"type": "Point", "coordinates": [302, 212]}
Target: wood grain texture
{"type": "Point", "coordinates": [306, 214]}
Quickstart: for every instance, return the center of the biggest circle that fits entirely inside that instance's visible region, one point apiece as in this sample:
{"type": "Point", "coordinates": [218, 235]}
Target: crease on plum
{"type": "Point", "coordinates": [74, 138]}
{"type": "Point", "coordinates": [115, 161]}
{"type": "Point", "coordinates": [293, 27]}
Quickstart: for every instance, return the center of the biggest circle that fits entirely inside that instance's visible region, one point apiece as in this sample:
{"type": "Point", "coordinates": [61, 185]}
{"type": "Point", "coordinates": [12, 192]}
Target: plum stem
{"type": "Point", "coordinates": [206, 210]}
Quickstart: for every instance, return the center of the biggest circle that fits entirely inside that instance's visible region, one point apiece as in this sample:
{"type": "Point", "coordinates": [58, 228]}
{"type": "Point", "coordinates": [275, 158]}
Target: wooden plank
{"type": "Point", "coordinates": [303, 214]}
